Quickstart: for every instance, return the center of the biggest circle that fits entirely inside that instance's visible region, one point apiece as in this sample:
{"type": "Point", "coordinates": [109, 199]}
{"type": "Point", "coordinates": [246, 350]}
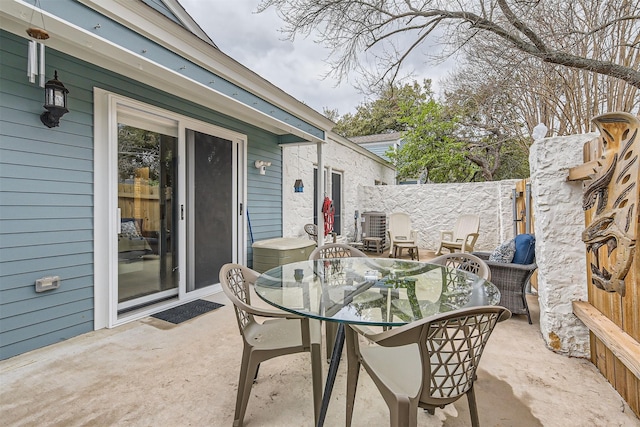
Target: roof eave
{"type": "Point", "coordinates": [136, 15]}
{"type": "Point", "coordinates": [79, 43]}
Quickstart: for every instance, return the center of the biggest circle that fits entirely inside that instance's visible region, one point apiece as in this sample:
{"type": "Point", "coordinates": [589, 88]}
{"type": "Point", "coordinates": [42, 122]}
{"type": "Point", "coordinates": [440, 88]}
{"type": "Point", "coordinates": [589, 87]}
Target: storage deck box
{"type": "Point", "coordinates": [283, 250]}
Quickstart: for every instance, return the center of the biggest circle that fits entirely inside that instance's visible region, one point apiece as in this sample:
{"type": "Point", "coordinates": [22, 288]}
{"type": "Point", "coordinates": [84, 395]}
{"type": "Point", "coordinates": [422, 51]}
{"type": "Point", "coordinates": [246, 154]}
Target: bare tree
{"type": "Point", "coordinates": [565, 99]}
{"type": "Point", "coordinates": [553, 31]}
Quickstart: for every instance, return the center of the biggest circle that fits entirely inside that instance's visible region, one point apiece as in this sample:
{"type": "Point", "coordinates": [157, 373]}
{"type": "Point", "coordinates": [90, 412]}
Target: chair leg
{"type": "Point", "coordinates": [255, 378]}
{"type": "Point", "coordinates": [404, 413]}
{"type": "Point", "coordinates": [248, 371]}
{"type": "Point", "coordinates": [526, 306]}
{"type": "Point", "coordinates": [473, 408]}
{"type": "Point", "coordinates": [353, 371]}
{"type": "Point", "coordinates": [439, 251]}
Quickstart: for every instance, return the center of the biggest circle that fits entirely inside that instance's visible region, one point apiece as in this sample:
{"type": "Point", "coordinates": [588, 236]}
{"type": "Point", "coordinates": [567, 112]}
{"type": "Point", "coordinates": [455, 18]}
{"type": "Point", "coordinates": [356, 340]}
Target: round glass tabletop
{"type": "Point", "coordinates": [372, 291]}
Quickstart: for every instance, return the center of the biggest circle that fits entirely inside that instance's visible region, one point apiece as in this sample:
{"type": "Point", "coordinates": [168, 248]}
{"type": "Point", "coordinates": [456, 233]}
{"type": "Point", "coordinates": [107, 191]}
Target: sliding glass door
{"type": "Point", "coordinates": [176, 191]}
{"type": "Point", "coordinates": [147, 205]}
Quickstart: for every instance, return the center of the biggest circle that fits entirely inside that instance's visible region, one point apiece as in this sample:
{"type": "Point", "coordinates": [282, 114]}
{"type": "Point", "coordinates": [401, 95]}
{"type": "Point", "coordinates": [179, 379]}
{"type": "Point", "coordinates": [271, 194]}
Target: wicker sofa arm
{"type": "Point", "coordinates": [517, 272]}
{"type": "Point", "coordinates": [511, 279]}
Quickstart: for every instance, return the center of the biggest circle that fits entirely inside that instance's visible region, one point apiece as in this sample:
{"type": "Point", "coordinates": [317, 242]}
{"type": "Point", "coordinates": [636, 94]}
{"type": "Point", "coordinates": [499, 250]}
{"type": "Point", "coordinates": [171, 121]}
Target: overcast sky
{"type": "Point", "coordinates": [295, 67]}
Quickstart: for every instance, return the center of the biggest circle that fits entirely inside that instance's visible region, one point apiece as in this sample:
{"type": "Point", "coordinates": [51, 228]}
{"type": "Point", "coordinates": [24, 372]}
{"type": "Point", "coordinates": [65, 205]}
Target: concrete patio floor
{"type": "Point", "coordinates": [153, 373]}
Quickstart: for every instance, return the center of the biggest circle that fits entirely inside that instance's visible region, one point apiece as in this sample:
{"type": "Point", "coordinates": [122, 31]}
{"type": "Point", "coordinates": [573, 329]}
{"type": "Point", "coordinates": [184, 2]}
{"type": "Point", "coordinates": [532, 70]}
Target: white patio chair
{"type": "Point", "coordinates": [463, 236]}
{"type": "Point", "coordinates": [399, 231]}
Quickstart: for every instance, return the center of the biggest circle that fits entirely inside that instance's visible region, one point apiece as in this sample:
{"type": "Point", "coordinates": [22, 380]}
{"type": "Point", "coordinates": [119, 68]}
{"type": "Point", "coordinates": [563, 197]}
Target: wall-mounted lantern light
{"type": "Point", "coordinates": [298, 186]}
{"type": "Point", "coordinates": [55, 101]}
{"type": "Point", "coordinates": [262, 165]}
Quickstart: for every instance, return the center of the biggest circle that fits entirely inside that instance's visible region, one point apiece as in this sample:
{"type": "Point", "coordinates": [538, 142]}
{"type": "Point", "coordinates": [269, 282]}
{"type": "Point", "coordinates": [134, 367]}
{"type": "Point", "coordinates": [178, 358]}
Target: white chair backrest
{"type": "Point", "coordinates": [466, 224]}
{"type": "Point", "coordinates": [336, 250]}
{"type": "Point", "coordinates": [400, 224]}
{"type": "Point", "coordinates": [464, 261]}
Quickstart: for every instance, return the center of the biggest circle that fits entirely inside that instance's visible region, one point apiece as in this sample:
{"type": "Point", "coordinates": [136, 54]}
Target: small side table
{"type": "Point", "coordinates": [412, 247]}
{"type": "Point", "coordinates": [372, 243]}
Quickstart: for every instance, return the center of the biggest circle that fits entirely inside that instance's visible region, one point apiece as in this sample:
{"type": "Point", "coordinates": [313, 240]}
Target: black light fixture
{"type": "Point", "coordinates": [55, 101]}
{"type": "Point", "coordinates": [298, 186]}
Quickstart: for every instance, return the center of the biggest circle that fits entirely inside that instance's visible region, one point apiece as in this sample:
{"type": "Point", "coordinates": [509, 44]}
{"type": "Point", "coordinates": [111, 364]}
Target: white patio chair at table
{"type": "Point", "coordinates": [428, 363]}
{"type": "Point", "coordinates": [464, 261]}
{"type": "Point", "coordinates": [282, 333]}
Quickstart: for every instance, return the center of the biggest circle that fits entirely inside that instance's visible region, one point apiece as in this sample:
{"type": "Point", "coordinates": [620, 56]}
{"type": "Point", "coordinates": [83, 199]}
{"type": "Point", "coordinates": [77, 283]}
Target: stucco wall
{"type": "Point", "coordinates": [557, 208]}
{"type": "Point", "coordinates": [432, 207]}
{"type": "Point", "coordinates": [560, 252]}
{"type": "Point", "coordinates": [435, 207]}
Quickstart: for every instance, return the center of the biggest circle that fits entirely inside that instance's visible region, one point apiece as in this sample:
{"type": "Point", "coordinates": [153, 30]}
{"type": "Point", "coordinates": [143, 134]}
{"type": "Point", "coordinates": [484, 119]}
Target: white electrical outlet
{"type": "Point", "coordinates": [47, 283]}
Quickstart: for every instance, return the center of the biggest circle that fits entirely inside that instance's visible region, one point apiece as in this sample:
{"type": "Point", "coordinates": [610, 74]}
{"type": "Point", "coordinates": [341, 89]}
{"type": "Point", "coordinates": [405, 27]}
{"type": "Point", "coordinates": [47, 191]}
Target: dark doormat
{"type": "Point", "coordinates": [187, 311]}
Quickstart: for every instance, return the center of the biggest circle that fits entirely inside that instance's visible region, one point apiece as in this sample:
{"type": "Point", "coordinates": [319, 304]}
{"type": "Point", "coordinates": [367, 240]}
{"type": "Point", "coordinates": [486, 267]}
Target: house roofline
{"type": "Point", "coordinates": [136, 15]}
{"type": "Point", "coordinates": [80, 43]}
{"type": "Point", "coordinates": [361, 150]}
{"type": "Point", "coordinates": [187, 20]}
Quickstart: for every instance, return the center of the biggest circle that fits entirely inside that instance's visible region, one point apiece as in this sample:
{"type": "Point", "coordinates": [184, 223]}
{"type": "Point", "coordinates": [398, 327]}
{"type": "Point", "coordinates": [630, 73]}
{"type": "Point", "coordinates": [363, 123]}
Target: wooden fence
{"type": "Point", "coordinates": [611, 199]}
{"type": "Point", "coordinates": [141, 201]}
{"type": "Point", "coordinates": [523, 217]}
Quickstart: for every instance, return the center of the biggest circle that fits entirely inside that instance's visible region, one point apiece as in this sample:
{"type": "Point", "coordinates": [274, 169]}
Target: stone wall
{"type": "Point", "coordinates": [560, 252]}
{"type": "Point", "coordinates": [432, 207]}
{"type": "Point", "coordinates": [435, 207]}
{"type": "Point", "coordinates": [557, 209]}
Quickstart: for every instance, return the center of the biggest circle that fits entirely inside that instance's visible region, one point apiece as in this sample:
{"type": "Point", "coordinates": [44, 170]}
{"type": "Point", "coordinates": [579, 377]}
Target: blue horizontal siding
{"type": "Point", "coordinates": [18, 287]}
{"type": "Point", "coordinates": [46, 211]}
{"type": "Point", "coordinates": [44, 225]}
{"type": "Point", "coordinates": [46, 265]}
{"type": "Point", "coordinates": [45, 308]}
{"type": "Point", "coordinates": [44, 185]}
{"type": "Point", "coordinates": [44, 251]}
{"type": "Point", "coordinates": [16, 240]}
{"type": "Point", "coordinates": [79, 323]}
{"type": "Point", "coordinates": [55, 323]}
{"type": "Point", "coordinates": [46, 193]}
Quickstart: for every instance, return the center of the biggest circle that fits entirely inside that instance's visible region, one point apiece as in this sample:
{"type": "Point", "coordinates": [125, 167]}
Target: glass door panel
{"type": "Point", "coordinates": [336, 196]}
{"type": "Point", "coordinates": [147, 206]}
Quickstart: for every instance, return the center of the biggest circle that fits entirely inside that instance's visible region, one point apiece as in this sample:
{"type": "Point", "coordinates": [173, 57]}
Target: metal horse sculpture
{"type": "Point", "coordinates": [614, 192]}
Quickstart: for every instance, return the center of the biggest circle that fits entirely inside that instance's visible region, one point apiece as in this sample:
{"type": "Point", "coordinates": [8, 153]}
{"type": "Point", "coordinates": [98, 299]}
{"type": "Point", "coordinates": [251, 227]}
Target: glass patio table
{"type": "Point", "coordinates": [383, 292]}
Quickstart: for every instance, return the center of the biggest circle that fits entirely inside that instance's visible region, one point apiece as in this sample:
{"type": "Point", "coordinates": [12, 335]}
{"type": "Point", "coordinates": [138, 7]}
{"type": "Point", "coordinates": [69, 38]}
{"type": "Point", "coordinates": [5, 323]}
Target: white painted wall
{"type": "Point", "coordinates": [560, 251]}
{"type": "Point", "coordinates": [357, 169]}
{"type": "Point", "coordinates": [435, 207]}
{"type": "Point", "coordinates": [432, 207]}
{"type": "Point", "coordinates": [557, 208]}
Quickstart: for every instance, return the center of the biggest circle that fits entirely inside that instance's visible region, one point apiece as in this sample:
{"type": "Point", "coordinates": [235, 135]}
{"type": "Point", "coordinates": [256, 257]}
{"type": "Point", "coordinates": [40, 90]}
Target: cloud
{"type": "Point", "coordinates": [255, 41]}
{"type": "Point", "coordinates": [296, 67]}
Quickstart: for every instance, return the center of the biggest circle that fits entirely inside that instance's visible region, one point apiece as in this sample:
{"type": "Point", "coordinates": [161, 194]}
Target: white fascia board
{"type": "Point", "coordinates": [79, 43]}
{"type": "Point", "coordinates": [355, 147]}
{"type": "Point", "coordinates": [183, 16]}
{"type": "Point", "coordinates": [137, 16]}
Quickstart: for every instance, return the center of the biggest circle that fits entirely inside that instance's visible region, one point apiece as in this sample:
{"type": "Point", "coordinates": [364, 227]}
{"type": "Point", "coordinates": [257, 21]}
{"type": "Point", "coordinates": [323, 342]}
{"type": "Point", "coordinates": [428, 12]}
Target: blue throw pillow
{"type": "Point", "coordinates": [525, 249]}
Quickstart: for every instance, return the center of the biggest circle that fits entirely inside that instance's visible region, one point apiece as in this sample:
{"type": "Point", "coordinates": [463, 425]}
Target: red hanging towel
{"type": "Point", "coordinates": [328, 210]}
